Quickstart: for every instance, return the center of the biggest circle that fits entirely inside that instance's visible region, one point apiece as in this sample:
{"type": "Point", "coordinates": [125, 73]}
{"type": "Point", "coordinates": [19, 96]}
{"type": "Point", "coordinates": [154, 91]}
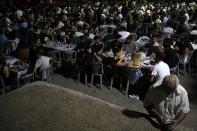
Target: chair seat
{"type": "Point", "coordinates": [25, 78]}
{"type": "Point", "coordinates": [175, 70]}
{"type": "Point", "coordinates": [97, 71]}
{"type": "Point", "coordinates": [132, 75]}
{"type": "Point", "coordinates": [186, 61]}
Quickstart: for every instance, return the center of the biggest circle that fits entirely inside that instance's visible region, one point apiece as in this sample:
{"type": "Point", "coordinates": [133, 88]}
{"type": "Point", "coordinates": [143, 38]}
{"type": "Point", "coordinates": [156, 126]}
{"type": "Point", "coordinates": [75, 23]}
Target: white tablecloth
{"type": "Point", "coordinates": [124, 34]}
{"type": "Point", "coordinates": [60, 47]}
{"type": "Point", "coordinates": [11, 61]}
{"type": "Point", "coordinates": [107, 26]}
{"type": "Point", "coordinates": [21, 73]}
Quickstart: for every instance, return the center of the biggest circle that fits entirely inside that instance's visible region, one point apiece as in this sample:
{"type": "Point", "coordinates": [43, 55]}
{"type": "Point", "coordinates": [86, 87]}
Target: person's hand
{"type": "Point", "coordinates": [174, 123]}
{"type": "Point", "coordinates": [10, 68]}
{"type": "Point", "coordinates": [121, 57]}
{"type": "Point", "coordinates": [161, 120]}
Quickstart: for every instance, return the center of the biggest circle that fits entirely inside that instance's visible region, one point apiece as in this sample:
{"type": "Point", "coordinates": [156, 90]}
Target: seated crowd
{"type": "Point", "coordinates": [121, 36]}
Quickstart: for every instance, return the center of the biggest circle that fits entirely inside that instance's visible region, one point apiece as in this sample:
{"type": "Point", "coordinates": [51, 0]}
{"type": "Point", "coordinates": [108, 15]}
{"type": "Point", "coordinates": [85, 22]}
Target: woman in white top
{"type": "Point", "coordinates": [161, 69]}
{"type": "Point", "coordinates": [42, 64]}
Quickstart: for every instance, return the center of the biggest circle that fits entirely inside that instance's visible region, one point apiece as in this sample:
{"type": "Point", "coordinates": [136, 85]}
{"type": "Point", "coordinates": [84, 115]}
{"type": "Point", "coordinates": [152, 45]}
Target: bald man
{"type": "Point", "coordinates": [168, 103]}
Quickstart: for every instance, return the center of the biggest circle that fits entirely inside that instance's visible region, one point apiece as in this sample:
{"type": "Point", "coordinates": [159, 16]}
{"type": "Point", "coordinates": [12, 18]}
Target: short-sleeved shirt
{"type": "Point", "coordinates": [43, 62]}
{"type": "Point", "coordinates": [160, 70]}
{"type": "Point", "coordinates": [167, 105]}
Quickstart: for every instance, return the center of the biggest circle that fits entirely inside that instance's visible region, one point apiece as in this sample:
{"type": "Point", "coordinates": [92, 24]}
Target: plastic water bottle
{"type": "Point", "coordinates": [126, 55]}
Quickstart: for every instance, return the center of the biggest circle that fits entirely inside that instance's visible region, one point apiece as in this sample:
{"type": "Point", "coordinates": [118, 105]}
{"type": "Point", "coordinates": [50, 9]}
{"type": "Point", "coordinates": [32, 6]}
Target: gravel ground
{"type": "Point", "coordinates": [21, 108]}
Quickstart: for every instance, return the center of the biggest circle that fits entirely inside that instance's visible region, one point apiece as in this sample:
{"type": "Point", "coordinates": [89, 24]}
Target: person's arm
{"type": "Point", "coordinates": [152, 78]}
{"type": "Point", "coordinates": [6, 71]}
{"type": "Point", "coordinates": [37, 65]}
{"type": "Point", "coordinates": [153, 74]}
{"type": "Point", "coordinates": [154, 113]}
{"type": "Point", "coordinates": [35, 71]}
{"type": "Point", "coordinates": [184, 109]}
{"type": "Point", "coordinates": [180, 117]}
{"type": "Point", "coordinates": [149, 105]}
{"type": "Point", "coordinates": [97, 57]}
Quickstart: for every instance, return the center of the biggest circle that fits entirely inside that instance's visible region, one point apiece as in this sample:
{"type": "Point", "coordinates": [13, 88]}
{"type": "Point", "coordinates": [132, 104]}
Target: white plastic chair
{"type": "Point", "coordinates": [186, 61]}
{"type": "Point", "coordinates": [132, 75]}
{"type": "Point", "coordinates": [175, 70]}
{"type": "Point", "coordinates": [25, 78]}
{"type": "Point", "coordinates": [97, 71]}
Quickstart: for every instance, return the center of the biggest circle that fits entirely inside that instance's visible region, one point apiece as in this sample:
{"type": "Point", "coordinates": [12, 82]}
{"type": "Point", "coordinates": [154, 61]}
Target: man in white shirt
{"type": "Point", "coordinates": [160, 70]}
{"type": "Point", "coordinates": [167, 103]}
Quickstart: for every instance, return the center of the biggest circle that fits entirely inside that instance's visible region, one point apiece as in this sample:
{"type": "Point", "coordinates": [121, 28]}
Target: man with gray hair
{"type": "Point", "coordinates": [168, 103]}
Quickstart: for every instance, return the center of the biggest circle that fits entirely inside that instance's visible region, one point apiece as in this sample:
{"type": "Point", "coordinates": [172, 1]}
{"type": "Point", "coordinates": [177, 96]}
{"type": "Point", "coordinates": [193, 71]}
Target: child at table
{"type": "Point", "coordinates": [119, 58]}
